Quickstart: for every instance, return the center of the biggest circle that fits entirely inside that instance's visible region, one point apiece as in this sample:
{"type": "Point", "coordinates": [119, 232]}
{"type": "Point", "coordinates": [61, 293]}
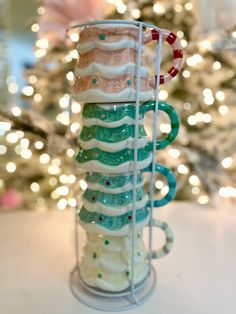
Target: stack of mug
{"type": "Point", "coordinates": [106, 83]}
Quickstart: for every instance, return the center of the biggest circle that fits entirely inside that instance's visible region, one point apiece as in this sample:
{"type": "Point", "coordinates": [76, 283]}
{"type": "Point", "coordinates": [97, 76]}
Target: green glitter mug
{"type": "Point", "coordinates": [108, 136]}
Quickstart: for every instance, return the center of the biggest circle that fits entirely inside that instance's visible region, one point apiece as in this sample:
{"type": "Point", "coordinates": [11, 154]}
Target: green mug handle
{"type": "Point", "coordinates": [174, 121]}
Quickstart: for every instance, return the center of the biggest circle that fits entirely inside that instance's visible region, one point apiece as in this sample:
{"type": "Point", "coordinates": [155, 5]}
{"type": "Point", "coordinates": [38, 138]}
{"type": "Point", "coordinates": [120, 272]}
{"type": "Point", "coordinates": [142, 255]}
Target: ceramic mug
{"type": "Point", "coordinates": [107, 137]}
{"type": "Point", "coordinates": [106, 261]}
{"type": "Point", "coordinates": [107, 66]}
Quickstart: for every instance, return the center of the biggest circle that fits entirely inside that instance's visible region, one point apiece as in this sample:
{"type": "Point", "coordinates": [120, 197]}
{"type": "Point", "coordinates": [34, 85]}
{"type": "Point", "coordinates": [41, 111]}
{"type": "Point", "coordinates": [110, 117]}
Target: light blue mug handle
{"type": "Point", "coordinates": [171, 181]}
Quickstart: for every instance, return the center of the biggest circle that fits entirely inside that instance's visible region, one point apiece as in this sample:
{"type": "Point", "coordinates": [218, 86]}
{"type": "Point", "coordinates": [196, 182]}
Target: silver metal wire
{"type": "Point", "coordinates": [133, 289]}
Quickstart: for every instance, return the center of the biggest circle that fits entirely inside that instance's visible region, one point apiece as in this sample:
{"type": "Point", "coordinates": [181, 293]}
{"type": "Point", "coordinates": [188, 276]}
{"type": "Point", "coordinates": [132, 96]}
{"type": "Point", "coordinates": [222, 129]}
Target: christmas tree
{"type": "Point", "coordinates": [204, 153]}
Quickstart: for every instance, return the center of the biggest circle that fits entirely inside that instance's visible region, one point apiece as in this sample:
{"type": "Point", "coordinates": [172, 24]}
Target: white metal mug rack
{"type": "Point", "coordinates": [135, 294]}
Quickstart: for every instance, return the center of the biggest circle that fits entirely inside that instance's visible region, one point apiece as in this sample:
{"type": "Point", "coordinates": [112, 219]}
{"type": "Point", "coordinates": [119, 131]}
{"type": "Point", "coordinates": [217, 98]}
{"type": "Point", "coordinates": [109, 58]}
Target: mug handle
{"type": "Point", "coordinates": [175, 44]}
{"type": "Point", "coordinates": [174, 122]}
{"type": "Point", "coordinates": [167, 247]}
{"type": "Point", "coordinates": [171, 183]}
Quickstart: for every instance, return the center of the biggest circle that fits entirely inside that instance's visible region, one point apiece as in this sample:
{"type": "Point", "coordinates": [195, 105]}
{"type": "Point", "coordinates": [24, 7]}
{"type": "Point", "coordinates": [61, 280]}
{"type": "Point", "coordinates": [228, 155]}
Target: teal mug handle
{"type": "Point", "coordinates": [174, 122]}
{"type": "Point", "coordinates": [167, 247]}
{"type": "Point", "coordinates": [171, 181]}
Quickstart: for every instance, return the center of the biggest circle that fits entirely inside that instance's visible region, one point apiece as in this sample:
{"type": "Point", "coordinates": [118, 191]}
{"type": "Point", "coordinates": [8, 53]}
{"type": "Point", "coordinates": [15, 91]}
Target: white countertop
{"type": "Point", "coordinates": [198, 277]}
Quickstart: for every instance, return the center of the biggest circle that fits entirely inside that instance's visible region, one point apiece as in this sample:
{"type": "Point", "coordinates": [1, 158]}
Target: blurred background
{"type": "Point", "coordinates": [38, 138]}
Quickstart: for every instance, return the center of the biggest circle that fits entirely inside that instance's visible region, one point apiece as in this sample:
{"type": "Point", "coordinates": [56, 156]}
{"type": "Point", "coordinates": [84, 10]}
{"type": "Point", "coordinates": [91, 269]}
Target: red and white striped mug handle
{"type": "Point", "coordinates": [174, 42]}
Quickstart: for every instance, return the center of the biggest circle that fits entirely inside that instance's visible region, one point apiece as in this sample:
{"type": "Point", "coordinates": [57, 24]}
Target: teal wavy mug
{"type": "Point", "coordinates": [107, 137]}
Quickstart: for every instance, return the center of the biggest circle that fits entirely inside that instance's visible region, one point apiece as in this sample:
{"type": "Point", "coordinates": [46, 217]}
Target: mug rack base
{"type": "Point", "coordinates": [112, 302]}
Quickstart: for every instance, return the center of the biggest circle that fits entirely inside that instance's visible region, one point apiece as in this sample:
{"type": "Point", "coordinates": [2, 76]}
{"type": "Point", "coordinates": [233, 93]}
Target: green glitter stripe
{"type": "Point", "coordinates": [113, 200]}
{"type": "Point", "coordinates": [112, 182]}
{"type": "Point", "coordinates": [112, 159]}
{"type": "Point", "coordinates": [91, 111]}
{"type": "Point", "coordinates": [112, 223]}
{"type": "Point", "coordinates": [111, 135]}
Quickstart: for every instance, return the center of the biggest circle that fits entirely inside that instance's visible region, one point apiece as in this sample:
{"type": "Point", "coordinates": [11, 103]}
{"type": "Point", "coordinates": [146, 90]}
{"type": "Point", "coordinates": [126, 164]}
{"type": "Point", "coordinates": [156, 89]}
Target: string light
{"type": "Point", "coordinates": [227, 192]}
{"type": "Point", "coordinates": [163, 94]}
{"type": "Point", "coordinates": [192, 120]}
{"type": "Point", "coordinates": [234, 34]}
{"type": "Point", "coordinates": [52, 181]}
{"type": "Point", "coordinates": [38, 97]}
{"type": "Point", "coordinates": [182, 169]}
{"type": "Point", "coordinates": [63, 118]}
{"type": "Point", "coordinates": [227, 162]}
{"type": "Point", "coordinates": [11, 167]}
{"type": "Point", "coordinates": [35, 27]}
{"type": "Point", "coordinates": [121, 8]}
{"type": "Point", "coordinates": [28, 90]}
{"type": "Point", "coordinates": [75, 107]}
{"type": "Point", "coordinates": [203, 199]}
{"type": "Point", "coordinates": [20, 134]}
{"type": "Point", "coordinates": [187, 106]}
{"type": "Point", "coordinates": [44, 158]}
{"type": "Point", "coordinates": [24, 143]}
{"type": "Point", "coordinates": [223, 110]}
{"type": "Point", "coordinates": [206, 44]}
{"type": "Point", "coordinates": [38, 145]}
{"type": "Point", "coordinates": [184, 43]}
{"type": "Point", "coordinates": [39, 53]}
{"type": "Point", "coordinates": [178, 8]}
{"type": "Point", "coordinates": [72, 202]}
{"type": "Point", "coordinates": [26, 153]}
{"type": "Point", "coordinates": [173, 152]}
{"type": "Point", "coordinates": [18, 149]}
{"type": "Point", "coordinates": [159, 8]}
{"type": "Point", "coordinates": [74, 127]}
{"type": "Point", "coordinates": [13, 88]}
{"type": "Point", "coordinates": [62, 203]}
{"type": "Point", "coordinates": [165, 128]}
{"type": "Point", "coordinates": [159, 184]}
{"type": "Point", "coordinates": [186, 74]}
{"type": "Point", "coordinates": [74, 36]}
{"type": "Point", "coordinates": [136, 13]}
{"type": "Point", "coordinates": [220, 95]}
{"type": "Point", "coordinates": [194, 180]}
{"type": "Point", "coordinates": [32, 79]}
{"type": "Point", "coordinates": [188, 6]}
{"type": "Point", "coordinates": [64, 101]}
{"type": "Point", "coordinates": [70, 76]}
{"type": "Point", "coordinates": [63, 178]}
{"type": "Point", "coordinates": [41, 10]}
{"type": "Point", "coordinates": [180, 34]}
{"type": "Point", "coordinates": [3, 149]}
{"type": "Point", "coordinates": [83, 184]}
{"type": "Point", "coordinates": [56, 161]}
{"type": "Point", "coordinates": [165, 190]}
{"type": "Point", "coordinates": [194, 60]}
{"type": "Point", "coordinates": [54, 169]}
{"type": "Point", "coordinates": [207, 118]}
{"type": "Point", "coordinates": [74, 54]}
{"type": "Point", "coordinates": [42, 43]}
{"type": "Point", "coordinates": [216, 65]}
{"type": "Point", "coordinates": [16, 111]}
{"type": "Point", "coordinates": [195, 190]}
{"type": "Point", "coordinates": [63, 190]}
{"type": "Point", "coordinates": [70, 152]}
{"type": "Point", "coordinates": [35, 187]}
{"type": "Point", "coordinates": [12, 137]}
{"type": "Point", "coordinates": [71, 179]}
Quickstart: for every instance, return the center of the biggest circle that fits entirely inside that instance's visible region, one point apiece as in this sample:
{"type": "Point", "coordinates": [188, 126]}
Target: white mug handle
{"type": "Point", "coordinates": [167, 247]}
